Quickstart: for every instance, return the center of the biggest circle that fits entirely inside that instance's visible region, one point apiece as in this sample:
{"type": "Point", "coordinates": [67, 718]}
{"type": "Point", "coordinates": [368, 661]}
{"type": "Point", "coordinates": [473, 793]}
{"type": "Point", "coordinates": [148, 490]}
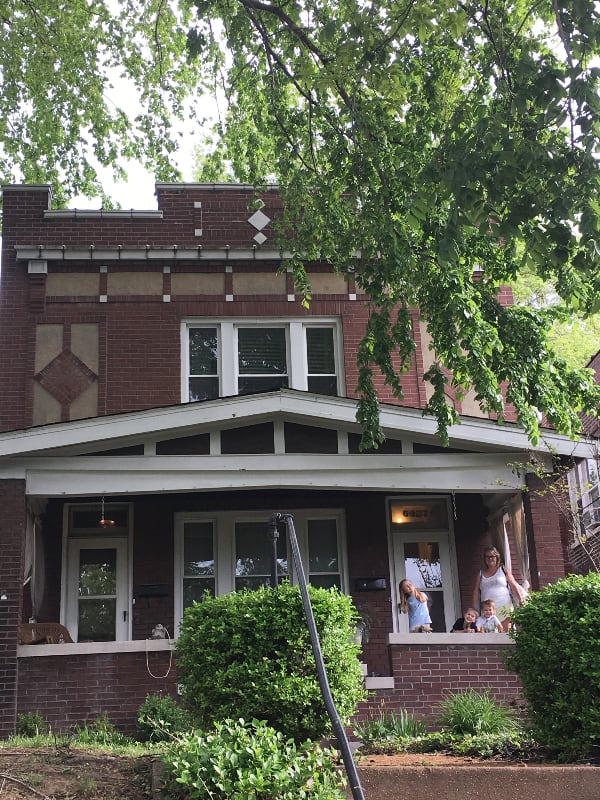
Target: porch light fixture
{"type": "Point", "coordinates": [3, 595]}
{"type": "Point", "coordinates": [104, 521]}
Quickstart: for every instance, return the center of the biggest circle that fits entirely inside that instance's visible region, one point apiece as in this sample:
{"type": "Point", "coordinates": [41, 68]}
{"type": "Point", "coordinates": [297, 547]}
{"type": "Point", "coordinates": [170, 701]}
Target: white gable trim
{"type": "Point", "coordinates": [194, 418]}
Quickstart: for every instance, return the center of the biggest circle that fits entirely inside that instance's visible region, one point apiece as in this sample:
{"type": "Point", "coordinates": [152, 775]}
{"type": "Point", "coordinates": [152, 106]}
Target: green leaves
{"type": "Point", "coordinates": [63, 109]}
{"type": "Point", "coordinates": [557, 658]}
{"type": "Point", "coordinates": [443, 142]}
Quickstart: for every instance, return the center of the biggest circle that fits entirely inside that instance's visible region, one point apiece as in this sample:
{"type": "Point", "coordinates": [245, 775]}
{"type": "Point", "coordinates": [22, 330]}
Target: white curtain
{"type": "Point", "coordinates": [34, 572]}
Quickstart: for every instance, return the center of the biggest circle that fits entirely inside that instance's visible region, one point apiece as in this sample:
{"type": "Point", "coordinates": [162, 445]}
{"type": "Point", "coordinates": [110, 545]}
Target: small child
{"type": "Point", "coordinates": [487, 621]}
{"type": "Point", "coordinates": [414, 603]}
{"type": "Point", "coordinates": [466, 624]}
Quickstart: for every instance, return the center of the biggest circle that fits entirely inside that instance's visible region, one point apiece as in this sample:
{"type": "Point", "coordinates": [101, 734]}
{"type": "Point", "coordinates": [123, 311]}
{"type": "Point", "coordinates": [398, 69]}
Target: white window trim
{"type": "Point", "coordinates": [223, 547]}
{"type": "Point", "coordinates": [227, 349]}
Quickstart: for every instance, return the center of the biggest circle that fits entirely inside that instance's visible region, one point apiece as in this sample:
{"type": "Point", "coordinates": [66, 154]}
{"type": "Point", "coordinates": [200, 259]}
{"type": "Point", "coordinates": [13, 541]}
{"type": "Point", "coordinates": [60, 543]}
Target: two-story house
{"type": "Point", "coordinates": [164, 390]}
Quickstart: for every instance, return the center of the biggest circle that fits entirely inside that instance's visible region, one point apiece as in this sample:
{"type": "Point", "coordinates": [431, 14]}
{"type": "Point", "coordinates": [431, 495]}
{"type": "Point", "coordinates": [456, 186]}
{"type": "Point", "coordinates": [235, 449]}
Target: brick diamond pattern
{"type": "Point", "coordinates": [66, 377]}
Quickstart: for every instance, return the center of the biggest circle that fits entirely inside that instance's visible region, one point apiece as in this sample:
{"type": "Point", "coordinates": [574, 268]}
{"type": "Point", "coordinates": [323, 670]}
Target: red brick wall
{"type": "Point", "coordinates": [139, 358]}
{"type": "Point", "coordinates": [12, 546]}
{"type": "Point", "coordinates": [75, 689]}
{"type": "Point", "coordinates": [424, 674]}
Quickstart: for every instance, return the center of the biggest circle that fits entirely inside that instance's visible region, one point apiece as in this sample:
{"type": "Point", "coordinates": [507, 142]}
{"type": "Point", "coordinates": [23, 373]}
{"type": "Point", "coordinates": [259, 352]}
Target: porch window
{"type": "Point", "coordinates": [242, 357]}
{"type": "Point", "coordinates": [198, 561]}
{"type": "Point", "coordinates": [231, 551]}
{"type": "Point", "coordinates": [253, 556]}
{"type": "Point", "coordinates": [584, 487]}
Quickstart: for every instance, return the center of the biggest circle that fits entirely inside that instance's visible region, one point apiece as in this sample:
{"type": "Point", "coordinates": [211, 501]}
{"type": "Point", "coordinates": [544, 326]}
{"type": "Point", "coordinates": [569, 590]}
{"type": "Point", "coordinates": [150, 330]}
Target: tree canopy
{"type": "Point", "coordinates": [418, 145]}
{"type": "Point", "coordinates": [63, 110]}
{"type": "Point", "coordinates": [432, 150]}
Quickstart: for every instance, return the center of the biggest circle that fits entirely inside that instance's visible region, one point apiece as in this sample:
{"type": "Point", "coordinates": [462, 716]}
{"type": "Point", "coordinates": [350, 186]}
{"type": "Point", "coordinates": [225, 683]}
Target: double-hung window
{"type": "Point", "coordinates": [245, 357]}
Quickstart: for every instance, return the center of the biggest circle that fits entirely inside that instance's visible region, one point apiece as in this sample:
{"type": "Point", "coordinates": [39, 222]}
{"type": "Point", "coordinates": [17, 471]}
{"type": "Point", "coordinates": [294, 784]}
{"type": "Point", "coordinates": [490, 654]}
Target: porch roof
{"type": "Point", "coordinates": [71, 458]}
{"type": "Point", "coordinates": [183, 419]}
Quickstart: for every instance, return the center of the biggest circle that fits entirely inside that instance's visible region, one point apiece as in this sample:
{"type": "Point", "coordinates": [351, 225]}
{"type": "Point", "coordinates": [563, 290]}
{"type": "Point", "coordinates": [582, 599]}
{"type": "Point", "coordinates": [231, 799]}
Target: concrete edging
{"type": "Point", "coordinates": [534, 782]}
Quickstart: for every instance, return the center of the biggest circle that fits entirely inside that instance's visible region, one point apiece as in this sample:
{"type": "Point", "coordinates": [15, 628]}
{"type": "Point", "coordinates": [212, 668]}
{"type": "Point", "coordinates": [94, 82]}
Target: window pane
{"type": "Point", "coordinates": [97, 572]}
{"type": "Point", "coordinates": [253, 555]}
{"type": "Point", "coordinates": [255, 385]}
{"type": "Point", "coordinates": [325, 581]}
{"type": "Point", "coordinates": [87, 518]}
{"type": "Point", "coordinates": [203, 351]}
{"type": "Point", "coordinates": [261, 351]}
{"type": "Point", "coordinates": [319, 351]}
{"type": "Point", "coordinates": [203, 389]}
{"type": "Point", "coordinates": [323, 384]}
{"type": "Point", "coordinates": [195, 588]}
{"type": "Point", "coordinates": [322, 546]}
{"type": "Point", "coordinates": [198, 556]}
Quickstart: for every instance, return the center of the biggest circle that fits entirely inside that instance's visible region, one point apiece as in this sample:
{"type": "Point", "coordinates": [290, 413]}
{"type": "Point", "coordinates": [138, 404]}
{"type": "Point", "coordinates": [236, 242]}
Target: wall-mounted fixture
{"type": "Point", "coordinates": [3, 595]}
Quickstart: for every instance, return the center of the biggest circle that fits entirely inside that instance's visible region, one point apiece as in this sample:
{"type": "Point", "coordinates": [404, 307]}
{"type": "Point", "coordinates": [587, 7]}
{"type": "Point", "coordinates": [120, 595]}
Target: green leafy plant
{"type": "Point", "coordinates": [249, 654]}
{"type": "Point", "coordinates": [389, 727]}
{"type": "Point", "coordinates": [160, 718]}
{"type": "Point", "coordinates": [557, 658]}
{"type": "Point", "coordinates": [31, 723]}
{"type": "Point", "coordinates": [99, 731]}
{"type": "Point", "coordinates": [472, 713]}
{"type": "Point", "coordinates": [240, 760]}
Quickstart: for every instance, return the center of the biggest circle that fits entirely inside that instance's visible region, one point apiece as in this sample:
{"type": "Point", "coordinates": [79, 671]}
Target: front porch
{"type": "Point", "coordinates": [188, 492]}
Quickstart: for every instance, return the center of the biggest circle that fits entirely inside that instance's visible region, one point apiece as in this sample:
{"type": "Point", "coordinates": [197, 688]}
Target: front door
{"type": "Point", "coordinates": [97, 606]}
{"type": "Point", "coordinates": [422, 552]}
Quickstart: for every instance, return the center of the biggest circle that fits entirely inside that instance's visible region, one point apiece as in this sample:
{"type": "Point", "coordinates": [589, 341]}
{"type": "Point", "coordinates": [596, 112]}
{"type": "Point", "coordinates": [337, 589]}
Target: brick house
{"type": "Point", "coordinates": [164, 391]}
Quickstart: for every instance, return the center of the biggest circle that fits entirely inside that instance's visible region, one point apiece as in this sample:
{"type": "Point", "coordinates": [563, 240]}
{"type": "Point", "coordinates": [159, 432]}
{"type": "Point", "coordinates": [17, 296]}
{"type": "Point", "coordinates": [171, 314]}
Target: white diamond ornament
{"type": "Point", "coordinates": [260, 238]}
{"type": "Point", "coordinates": [259, 220]}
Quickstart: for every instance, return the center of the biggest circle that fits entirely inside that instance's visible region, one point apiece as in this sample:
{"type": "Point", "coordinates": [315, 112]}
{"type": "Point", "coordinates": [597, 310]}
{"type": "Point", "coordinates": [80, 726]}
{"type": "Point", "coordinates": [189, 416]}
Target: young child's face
{"type": "Point", "coordinates": [407, 587]}
{"type": "Point", "coordinates": [470, 616]}
{"type": "Point", "coordinates": [487, 611]}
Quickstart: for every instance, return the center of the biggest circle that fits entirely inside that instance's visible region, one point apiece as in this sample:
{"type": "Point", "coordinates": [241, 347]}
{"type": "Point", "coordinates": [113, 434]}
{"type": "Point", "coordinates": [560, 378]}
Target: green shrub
{"type": "Point", "coordinates": [389, 727]}
{"type": "Point", "coordinates": [240, 760]}
{"type": "Point", "coordinates": [160, 718]}
{"type": "Point", "coordinates": [471, 713]}
{"type": "Point", "coordinates": [31, 724]}
{"type": "Point", "coordinates": [249, 654]}
{"type": "Point", "coordinates": [557, 658]}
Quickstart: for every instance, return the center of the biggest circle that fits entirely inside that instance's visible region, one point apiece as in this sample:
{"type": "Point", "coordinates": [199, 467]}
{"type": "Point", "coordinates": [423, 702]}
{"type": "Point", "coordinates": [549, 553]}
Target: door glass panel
{"type": "Point", "coordinates": [423, 567]}
{"type": "Point", "coordinates": [253, 556]}
{"type": "Point", "coordinates": [97, 619]}
{"type": "Point", "coordinates": [97, 591]}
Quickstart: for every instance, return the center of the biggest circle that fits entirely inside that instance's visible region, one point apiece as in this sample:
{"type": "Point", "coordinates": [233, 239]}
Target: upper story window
{"type": "Point", "coordinates": [246, 357]}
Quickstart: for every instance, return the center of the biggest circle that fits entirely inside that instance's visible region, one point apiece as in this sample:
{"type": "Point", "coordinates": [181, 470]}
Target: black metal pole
{"type": "Point", "coordinates": [273, 535]}
{"type": "Point", "coordinates": [338, 728]}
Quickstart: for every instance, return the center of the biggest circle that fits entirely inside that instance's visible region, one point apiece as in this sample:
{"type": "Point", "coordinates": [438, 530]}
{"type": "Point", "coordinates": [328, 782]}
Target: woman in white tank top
{"type": "Point", "coordinates": [492, 583]}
